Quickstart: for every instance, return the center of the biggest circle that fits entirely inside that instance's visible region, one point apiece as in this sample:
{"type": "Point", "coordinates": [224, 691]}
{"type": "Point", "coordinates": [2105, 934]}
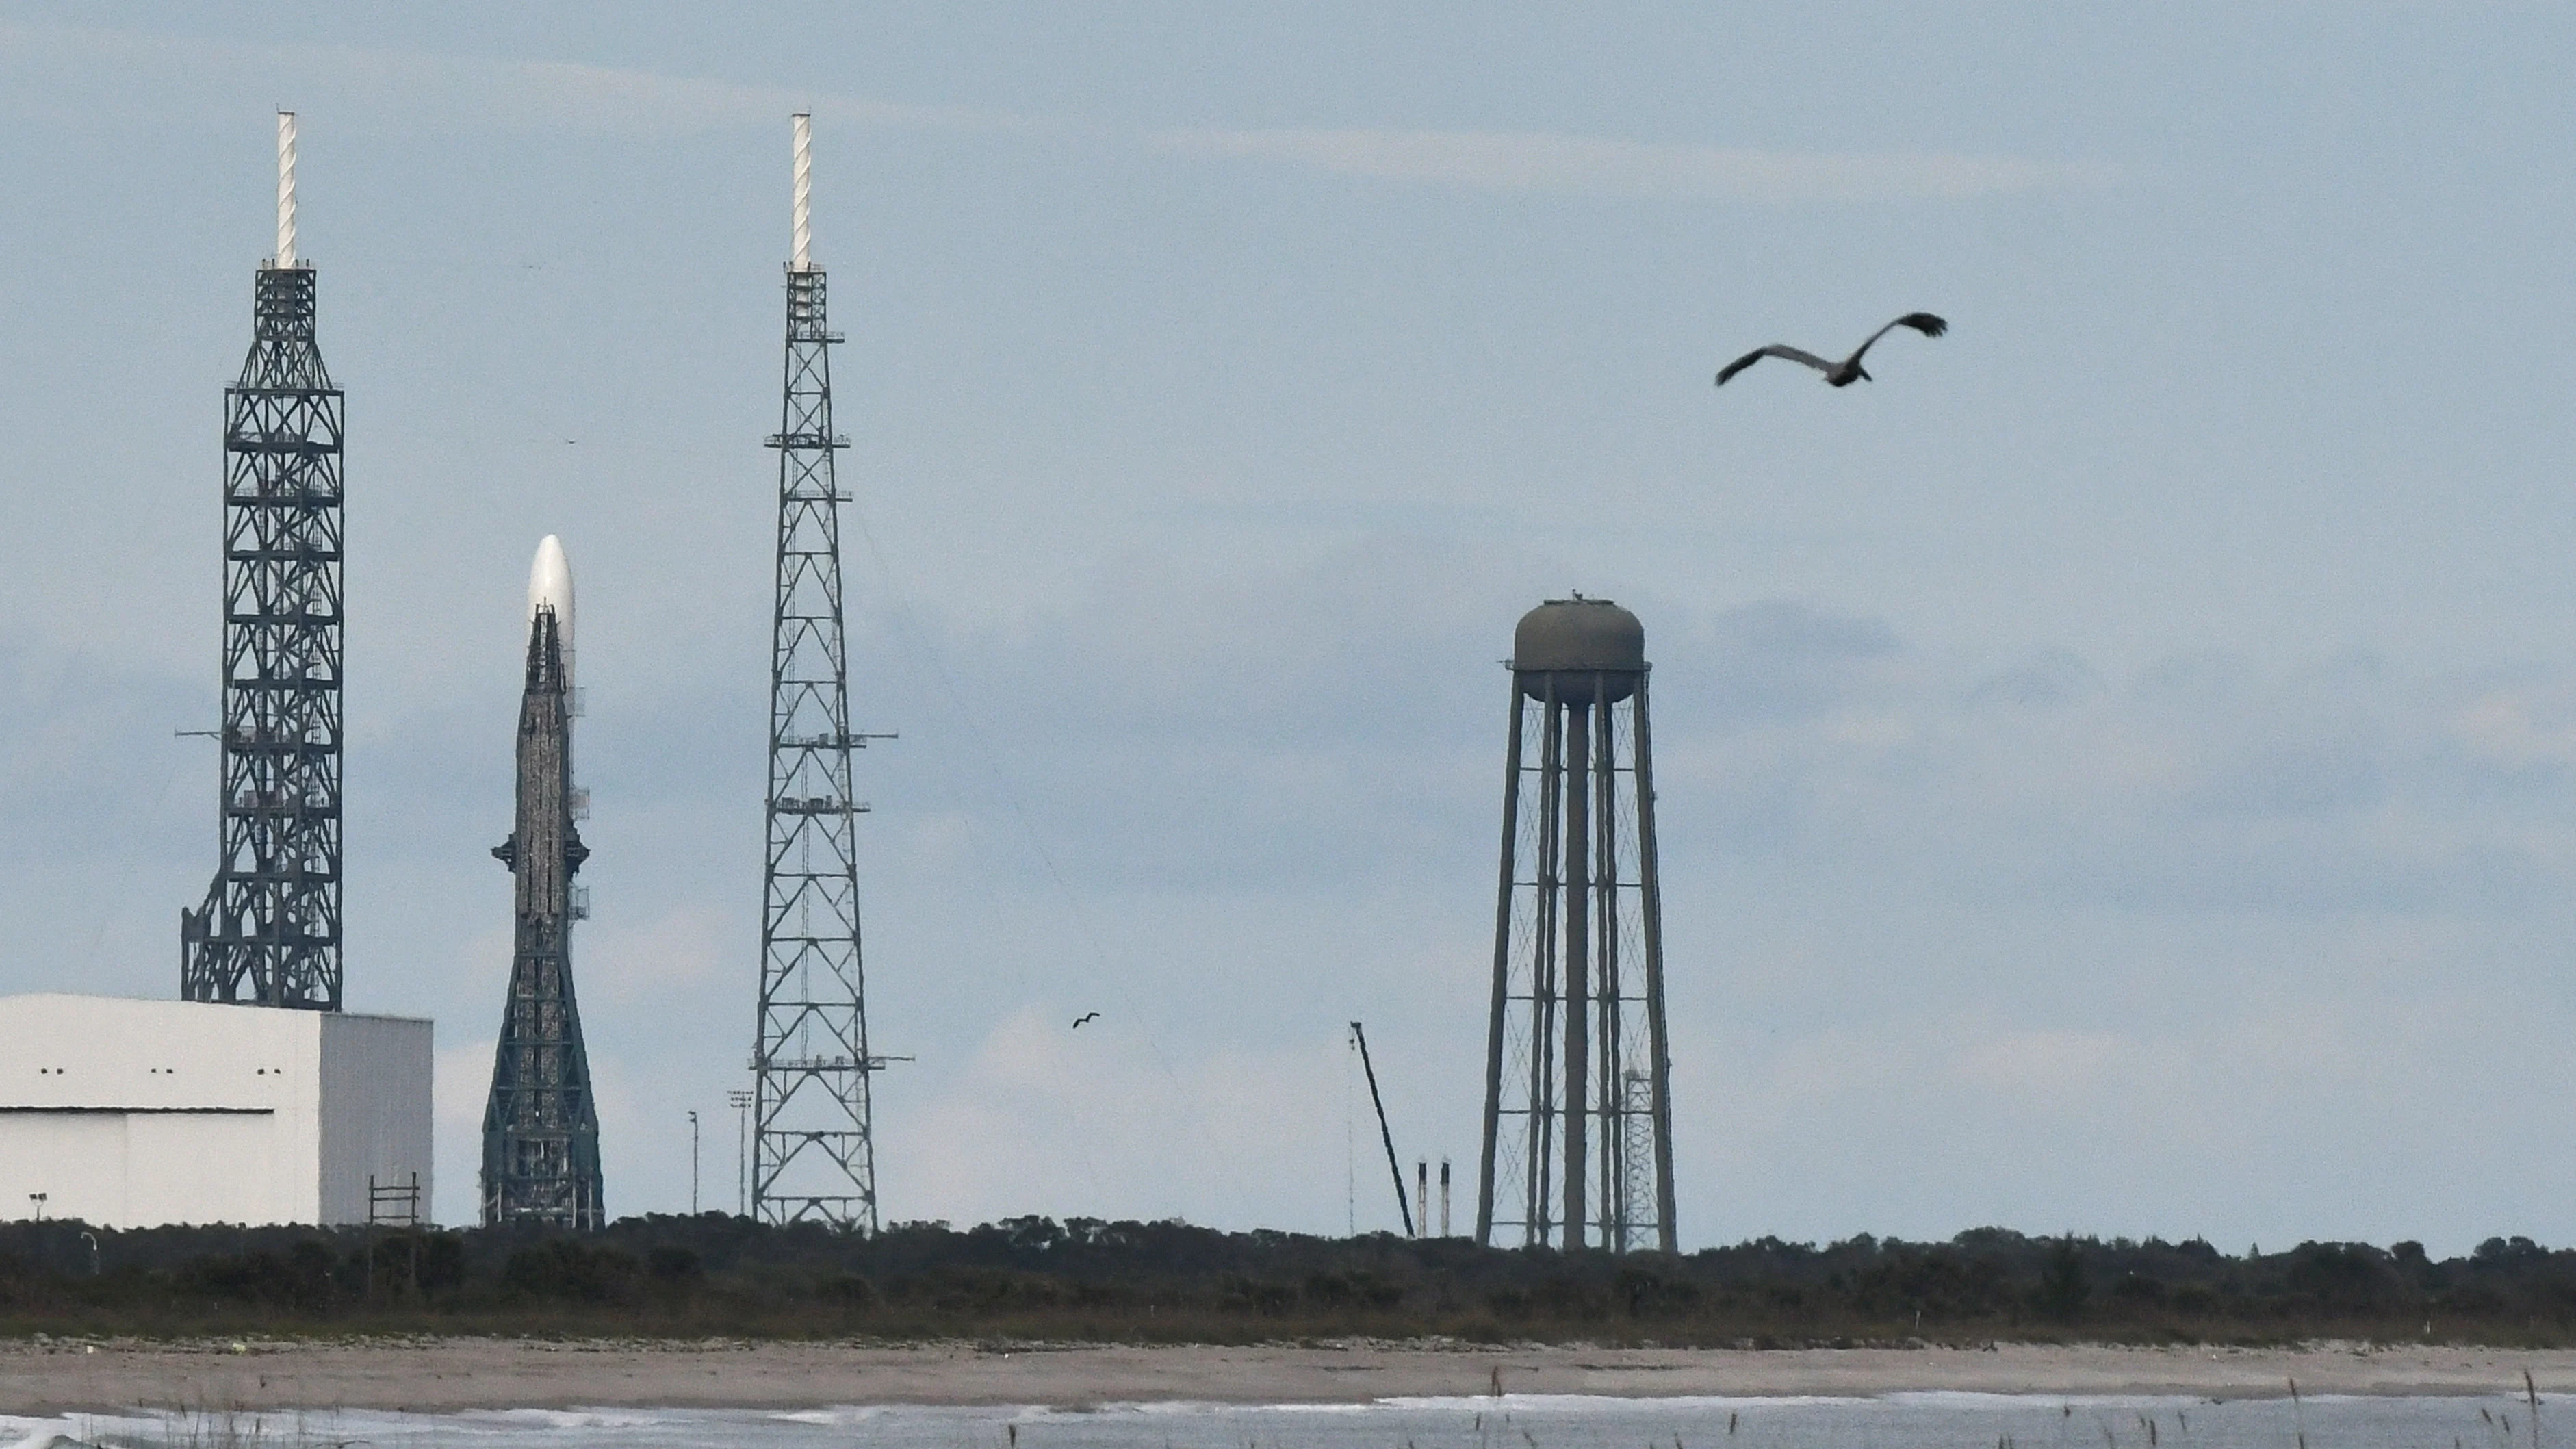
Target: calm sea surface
{"type": "Point", "coordinates": [1516, 1421]}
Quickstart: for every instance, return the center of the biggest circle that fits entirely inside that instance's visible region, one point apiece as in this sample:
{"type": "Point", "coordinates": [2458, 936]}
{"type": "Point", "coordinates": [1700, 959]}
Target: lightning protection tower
{"type": "Point", "coordinates": [1578, 1149]}
{"type": "Point", "coordinates": [269, 931]}
{"type": "Point", "coordinates": [813, 1146]}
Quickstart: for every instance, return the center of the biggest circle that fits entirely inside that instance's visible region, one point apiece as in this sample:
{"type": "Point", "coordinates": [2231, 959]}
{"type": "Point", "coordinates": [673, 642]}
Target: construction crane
{"type": "Point", "coordinates": [1359, 1038]}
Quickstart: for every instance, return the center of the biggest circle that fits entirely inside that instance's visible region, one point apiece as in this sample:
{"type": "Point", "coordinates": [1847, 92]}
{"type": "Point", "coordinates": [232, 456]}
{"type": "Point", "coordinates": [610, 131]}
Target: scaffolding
{"type": "Point", "coordinates": [541, 1121]}
{"type": "Point", "coordinates": [268, 932]}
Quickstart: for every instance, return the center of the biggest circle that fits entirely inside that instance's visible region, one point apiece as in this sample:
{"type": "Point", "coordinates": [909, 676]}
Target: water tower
{"type": "Point", "coordinates": [1578, 1149]}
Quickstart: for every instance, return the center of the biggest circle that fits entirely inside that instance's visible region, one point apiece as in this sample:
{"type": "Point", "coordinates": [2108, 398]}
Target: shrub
{"type": "Point", "coordinates": [2062, 1289]}
{"type": "Point", "coordinates": [301, 1277]}
{"type": "Point", "coordinates": [563, 1269]}
{"type": "Point", "coordinates": [847, 1290]}
{"type": "Point", "coordinates": [674, 1265]}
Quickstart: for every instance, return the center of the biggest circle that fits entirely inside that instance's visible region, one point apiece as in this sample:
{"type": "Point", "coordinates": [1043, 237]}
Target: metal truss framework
{"type": "Point", "coordinates": [813, 1149]}
{"type": "Point", "coordinates": [269, 930]}
{"type": "Point", "coordinates": [1578, 1116]}
{"type": "Point", "coordinates": [540, 1125]}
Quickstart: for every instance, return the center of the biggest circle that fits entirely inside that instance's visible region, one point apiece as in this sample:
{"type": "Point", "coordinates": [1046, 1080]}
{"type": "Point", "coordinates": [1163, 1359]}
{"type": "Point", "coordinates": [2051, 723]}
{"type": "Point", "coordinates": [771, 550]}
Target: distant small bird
{"type": "Point", "coordinates": [1079, 1020]}
{"type": "Point", "coordinates": [1847, 371]}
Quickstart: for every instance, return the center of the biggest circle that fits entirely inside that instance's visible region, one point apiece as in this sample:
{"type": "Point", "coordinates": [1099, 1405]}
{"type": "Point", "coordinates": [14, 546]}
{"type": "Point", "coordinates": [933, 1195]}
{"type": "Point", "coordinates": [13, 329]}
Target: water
{"type": "Point", "coordinates": [1515, 1421]}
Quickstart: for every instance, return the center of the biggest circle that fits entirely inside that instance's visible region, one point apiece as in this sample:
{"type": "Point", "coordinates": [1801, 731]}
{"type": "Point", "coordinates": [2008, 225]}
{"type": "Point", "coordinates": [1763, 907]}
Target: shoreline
{"type": "Point", "coordinates": [448, 1375]}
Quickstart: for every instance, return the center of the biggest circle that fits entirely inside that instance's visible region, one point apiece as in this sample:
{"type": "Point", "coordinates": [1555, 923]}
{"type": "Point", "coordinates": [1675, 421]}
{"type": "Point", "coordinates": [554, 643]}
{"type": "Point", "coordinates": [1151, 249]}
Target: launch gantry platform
{"type": "Point", "coordinates": [269, 930]}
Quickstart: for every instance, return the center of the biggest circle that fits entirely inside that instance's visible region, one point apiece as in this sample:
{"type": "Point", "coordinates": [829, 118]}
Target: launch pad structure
{"type": "Point", "coordinates": [813, 1154]}
{"type": "Point", "coordinates": [135, 1114]}
{"type": "Point", "coordinates": [541, 1121]}
{"type": "Point", "coordinates": [269, 931]}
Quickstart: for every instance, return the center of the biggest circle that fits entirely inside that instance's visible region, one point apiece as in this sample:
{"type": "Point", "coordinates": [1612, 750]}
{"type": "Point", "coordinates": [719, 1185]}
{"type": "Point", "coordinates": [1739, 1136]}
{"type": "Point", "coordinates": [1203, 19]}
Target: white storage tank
{"type": "Point", "coordinates": [132, 1114]}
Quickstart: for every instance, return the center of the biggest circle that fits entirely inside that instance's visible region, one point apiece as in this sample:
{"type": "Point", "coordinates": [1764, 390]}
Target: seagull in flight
{"type": "Point", "coordinates": [1847, 371]}
{"type": "Point", "coordinates": [1079, 1020]}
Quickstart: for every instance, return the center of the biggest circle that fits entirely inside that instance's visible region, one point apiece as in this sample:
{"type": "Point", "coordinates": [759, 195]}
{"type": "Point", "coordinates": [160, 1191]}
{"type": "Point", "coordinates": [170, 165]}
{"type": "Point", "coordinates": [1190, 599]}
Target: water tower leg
{"type": "Point", "coordinates": [1651, 900]}
{"type": "Point", "coordinates": [1502, 971]}
{"type": "Point", "coordinates": [1578, 930]}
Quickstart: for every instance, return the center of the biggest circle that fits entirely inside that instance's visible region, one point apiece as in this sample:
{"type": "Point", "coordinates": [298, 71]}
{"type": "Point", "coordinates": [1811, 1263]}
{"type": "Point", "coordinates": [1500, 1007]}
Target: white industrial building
{"type": "Point", "coordinates": [132, 1114]}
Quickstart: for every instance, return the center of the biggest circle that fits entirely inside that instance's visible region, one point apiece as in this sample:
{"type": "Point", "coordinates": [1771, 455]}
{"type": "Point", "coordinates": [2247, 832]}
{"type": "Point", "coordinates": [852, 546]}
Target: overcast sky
{"type": "Point", "coordinates": [2118, 769]}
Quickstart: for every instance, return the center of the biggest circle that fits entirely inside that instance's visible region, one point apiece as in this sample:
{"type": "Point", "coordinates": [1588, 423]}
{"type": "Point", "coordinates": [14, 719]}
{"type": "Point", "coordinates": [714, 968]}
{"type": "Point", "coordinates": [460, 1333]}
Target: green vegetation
{"type": "Point", "coordinates": [1035, 1279]}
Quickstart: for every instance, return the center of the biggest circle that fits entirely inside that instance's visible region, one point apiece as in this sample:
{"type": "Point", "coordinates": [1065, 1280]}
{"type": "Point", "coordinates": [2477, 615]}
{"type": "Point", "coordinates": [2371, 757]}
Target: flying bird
{"type": "Point", "coordinates": [1079, 1020]}
{"type": "Point", "coordinates": [1847, 371]}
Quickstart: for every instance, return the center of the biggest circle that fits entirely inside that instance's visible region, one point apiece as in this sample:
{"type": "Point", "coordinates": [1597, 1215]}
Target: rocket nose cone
{"type": "Point", "coordinates": [550, 584]}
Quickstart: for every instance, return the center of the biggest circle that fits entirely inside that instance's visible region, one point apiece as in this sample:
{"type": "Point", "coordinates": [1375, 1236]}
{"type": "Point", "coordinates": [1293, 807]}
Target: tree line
{"type": "Point", "coordinates": [1088, 1279]}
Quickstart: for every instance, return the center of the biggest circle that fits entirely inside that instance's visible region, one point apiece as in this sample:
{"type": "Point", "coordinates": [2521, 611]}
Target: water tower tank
{"type": "Point", "coordinates": [1577, 642]}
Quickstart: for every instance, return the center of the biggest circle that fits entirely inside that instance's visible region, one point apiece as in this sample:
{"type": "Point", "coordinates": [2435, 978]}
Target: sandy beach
{"type": "Point", "coordinates": [442, 1375]}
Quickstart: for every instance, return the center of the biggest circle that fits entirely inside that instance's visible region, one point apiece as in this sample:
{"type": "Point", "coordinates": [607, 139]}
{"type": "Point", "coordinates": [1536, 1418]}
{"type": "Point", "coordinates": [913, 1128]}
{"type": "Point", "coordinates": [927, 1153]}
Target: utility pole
{"type": "Point", "coordinates": [740, 1101]}
{"type": "Point", "coordinates": [693, 1164]}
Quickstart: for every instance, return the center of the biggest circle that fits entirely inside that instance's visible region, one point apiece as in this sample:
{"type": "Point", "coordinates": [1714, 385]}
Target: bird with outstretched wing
{"type": "Point", "coordinates": [1845, 372]}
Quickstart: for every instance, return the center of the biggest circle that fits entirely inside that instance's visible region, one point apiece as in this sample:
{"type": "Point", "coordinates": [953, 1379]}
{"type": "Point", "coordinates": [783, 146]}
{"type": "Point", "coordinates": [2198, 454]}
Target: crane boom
{"type": "Point", "coordinates": [1360, 1037]}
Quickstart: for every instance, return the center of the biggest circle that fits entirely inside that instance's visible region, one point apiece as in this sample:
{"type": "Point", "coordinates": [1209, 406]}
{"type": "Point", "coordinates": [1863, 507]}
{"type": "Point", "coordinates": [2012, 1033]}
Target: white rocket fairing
{"type": "Point", "coordinates": [550, 585]}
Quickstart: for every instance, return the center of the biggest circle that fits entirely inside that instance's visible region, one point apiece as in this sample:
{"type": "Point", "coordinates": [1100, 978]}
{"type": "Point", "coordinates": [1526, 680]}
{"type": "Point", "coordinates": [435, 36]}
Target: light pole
{"type": "Point", "coordinates": [38, 1199]}
{"type": "Point", "coordinates": [742, 1170]}
{"type": "Point", "coordinates": [693, 1164]}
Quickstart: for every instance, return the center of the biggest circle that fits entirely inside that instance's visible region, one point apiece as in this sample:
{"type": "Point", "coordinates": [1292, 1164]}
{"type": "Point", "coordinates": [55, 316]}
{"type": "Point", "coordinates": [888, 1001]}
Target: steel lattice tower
{"type": "Point", "coordinates": [813, 1150]}
{"type": "Point", "coordinates": [1578, 1149]}
{"type": "Point", "coordinates": [540, 1124]}
{"type": "Point", "coordinates": [269, 931]}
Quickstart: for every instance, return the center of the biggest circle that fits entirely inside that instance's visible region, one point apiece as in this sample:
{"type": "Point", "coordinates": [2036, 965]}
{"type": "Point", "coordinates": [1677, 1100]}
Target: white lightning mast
{"type": "Point", "coordinates": [802, 259]}
{"type": "Point", "coordinates": [285, 190]}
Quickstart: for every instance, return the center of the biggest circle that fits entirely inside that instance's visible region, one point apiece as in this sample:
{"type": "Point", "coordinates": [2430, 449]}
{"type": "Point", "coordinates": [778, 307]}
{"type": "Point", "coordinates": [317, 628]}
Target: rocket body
{"type": "Point", "coordinates": [540, 1127]}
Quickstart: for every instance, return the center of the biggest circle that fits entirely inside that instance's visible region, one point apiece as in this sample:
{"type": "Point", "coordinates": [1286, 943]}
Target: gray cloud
{"type": "Point", "coordinates": [374, 90]}
{"type": "Point", "coordinates": [424, 90]}
{"type": "Point", "coordinates": [1541, 161]}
